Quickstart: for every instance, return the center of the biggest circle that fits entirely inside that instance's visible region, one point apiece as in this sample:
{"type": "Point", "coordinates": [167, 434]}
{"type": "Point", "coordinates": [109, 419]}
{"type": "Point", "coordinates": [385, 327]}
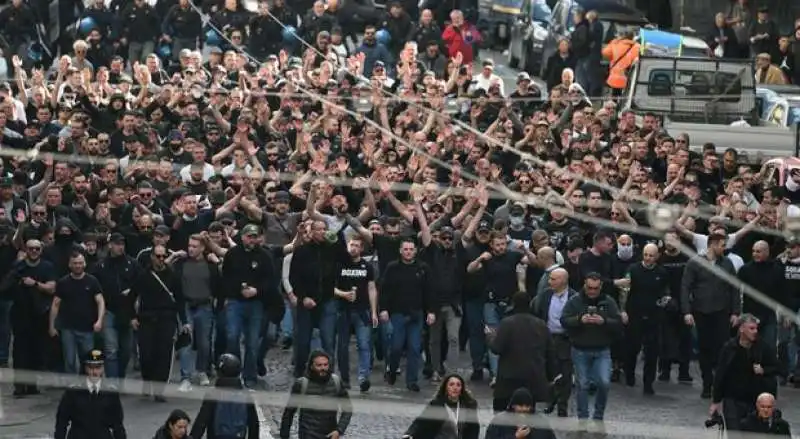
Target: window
{"type": "Point", "coordinates": [695, 85]}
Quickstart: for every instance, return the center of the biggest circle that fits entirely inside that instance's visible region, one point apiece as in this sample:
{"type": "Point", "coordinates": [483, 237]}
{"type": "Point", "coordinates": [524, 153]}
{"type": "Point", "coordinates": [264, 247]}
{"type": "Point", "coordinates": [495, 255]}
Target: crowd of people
{"type": "Point", "coordinates": [303, 190]}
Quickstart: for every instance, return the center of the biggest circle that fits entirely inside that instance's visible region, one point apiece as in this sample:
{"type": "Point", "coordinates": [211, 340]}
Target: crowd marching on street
{"type": "Point", "coordinates": [199, 183]}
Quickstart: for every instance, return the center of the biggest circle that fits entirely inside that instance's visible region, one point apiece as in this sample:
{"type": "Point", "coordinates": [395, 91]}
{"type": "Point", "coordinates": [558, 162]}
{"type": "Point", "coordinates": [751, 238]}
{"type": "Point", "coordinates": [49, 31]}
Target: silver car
{"type": "Point", "coordinates": [528, 33]}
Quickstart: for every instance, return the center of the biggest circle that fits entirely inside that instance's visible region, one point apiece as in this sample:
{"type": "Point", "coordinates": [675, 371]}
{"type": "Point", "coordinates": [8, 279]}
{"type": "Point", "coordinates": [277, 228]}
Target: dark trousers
{"type": "Point", "coordinates": [734, 411]}
{"type": "Point", "coordinates": [31, 348]}
{"type": "Point", "coordinates": [156, 348]}
{"type": "Point", "coordinates": [676, 345]}
{"type": "Point", "coordinates": [712, 332]}
{"type": "Point", "coordinates": [641, 334]}
{"type": "Point", "coordinates": [563, 388]}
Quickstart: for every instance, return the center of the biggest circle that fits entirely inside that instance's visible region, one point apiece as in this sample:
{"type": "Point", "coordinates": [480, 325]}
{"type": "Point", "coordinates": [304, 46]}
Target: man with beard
{"type": "Point", "coordinates": [160, 297]}
{"type": "Point", "coordinates": [78, 307]}
{"type": "Point", "coordinates": [314, 423]}
{"type": "Point", "coordinates": [641, 306]}
{"type": "Point", "coordinates": [32, 283]}
{"type": "Point", "coordinates": [280, 226]}
{"type": "Point", "coordinates": [676, 336]}
{"type": "Point", "coordinates": [188, 220]}
{"type": "Point", "coordinates": [250, 274]}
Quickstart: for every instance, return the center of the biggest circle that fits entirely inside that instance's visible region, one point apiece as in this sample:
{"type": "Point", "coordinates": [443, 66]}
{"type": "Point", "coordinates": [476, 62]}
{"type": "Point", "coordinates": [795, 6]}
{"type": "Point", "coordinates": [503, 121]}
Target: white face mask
{"type": "Point", "coordinates": [624, 252]}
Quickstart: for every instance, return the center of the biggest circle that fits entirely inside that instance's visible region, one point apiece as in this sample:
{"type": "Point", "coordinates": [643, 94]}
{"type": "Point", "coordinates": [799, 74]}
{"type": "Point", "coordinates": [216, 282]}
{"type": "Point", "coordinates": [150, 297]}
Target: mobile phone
{"type": "Point", "coordinates": [591, 310]}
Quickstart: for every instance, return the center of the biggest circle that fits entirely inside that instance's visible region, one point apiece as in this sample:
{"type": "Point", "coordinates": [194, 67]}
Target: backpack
{"type": "Point", "coordinates": [337, 383]}
{"type": "Point", "coordinates": [230, 419]}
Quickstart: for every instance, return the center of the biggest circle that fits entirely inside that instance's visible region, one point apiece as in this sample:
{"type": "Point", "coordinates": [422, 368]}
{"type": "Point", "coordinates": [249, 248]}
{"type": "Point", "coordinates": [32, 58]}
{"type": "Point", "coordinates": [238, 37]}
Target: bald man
{"type": "Point", "coordinates": [31, 282]}
{"type": "Point", "coordinates": [766, 419]}
{"type": "Point", "coordinates": [548, 306]}
{"type": "Point", "coordinates": [546, 259]}
{"type": "Point", "coordinates": [641, 306]}
{"type": "Point", "coordinates": [766, 275]}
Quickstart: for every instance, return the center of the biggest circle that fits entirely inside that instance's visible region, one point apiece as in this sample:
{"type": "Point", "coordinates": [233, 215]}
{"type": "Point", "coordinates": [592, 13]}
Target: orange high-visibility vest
{"type": "Point", "coordinates": [621, 53]}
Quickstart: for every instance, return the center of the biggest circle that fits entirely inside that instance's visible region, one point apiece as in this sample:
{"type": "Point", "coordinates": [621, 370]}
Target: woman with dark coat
{"type": "Point", "coordinates": [451, 414]}
{"type": "Point", "coordinates": [176, 426]}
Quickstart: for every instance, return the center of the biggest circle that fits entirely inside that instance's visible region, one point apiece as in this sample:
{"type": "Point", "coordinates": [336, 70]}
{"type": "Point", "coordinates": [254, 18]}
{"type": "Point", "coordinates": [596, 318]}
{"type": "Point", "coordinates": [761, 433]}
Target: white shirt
{"type": "Point", "coordinates": [92, 386]}
{"type": "Point", "coordinates": [483, 82]}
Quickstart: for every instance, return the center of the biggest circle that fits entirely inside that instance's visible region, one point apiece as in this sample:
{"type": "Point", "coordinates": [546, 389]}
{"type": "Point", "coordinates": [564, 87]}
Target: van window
{"type": "Point", "coordinates": [695, 85]}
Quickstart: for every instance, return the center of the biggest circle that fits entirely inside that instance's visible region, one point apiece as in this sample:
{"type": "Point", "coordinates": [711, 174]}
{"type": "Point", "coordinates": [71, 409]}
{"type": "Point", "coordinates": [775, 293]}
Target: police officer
{"type": "Point", "coordinates": [227, 416]}
{"type": "Point", "coordinates": [90, 409]}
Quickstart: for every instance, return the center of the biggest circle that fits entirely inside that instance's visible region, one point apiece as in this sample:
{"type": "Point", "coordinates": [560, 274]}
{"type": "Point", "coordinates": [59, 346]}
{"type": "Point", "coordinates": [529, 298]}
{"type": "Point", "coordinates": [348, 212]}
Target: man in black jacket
{"type": "Point", "coordinates": [581, 39]}
{"type": "Point", "coordinates": [314, 422]}
{"type": "Point", "coordinates": [746, 368]}
{"type": "Point", "coordinates": [528, 362]}
{"type": "Point", "coordinates": [766, 275]}
{"type": "Point", "coordinates": [766, 419]}
{"type": "Point", "coordinates": [407, 301]}
{"type": "Point", "coordinates": [313, 278]}
{"type": "Point", "coordinates": [117, 273]}
{"type": "Point", "coordinates": [710, 303]}
{"type": "Point", "coordinates": [593, 323]}
{"type": "Point", "coordinates": [248, 272]}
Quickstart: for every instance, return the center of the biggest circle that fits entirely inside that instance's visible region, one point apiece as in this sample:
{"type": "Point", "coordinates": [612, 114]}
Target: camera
{"type": "Point", "coordinates": [715, 420]}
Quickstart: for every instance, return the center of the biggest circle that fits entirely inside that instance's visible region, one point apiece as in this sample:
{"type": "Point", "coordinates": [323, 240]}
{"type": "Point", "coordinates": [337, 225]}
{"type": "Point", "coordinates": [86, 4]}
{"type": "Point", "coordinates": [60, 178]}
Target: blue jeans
{"type": "Point", "coordinates": [202, 320]}
{"type": "Point", "coordinates": [362, 323]}
{"type": "Point", "coordinates": [287, 323]}
{"type": "Point", "coordinates": [75, 344]}
{"type": "Point", "coordinates": [473, 311]}
{"type": "Point", "coordinates": [407, 334]}
{"type": "Point", "coordinates": [592, 367]}
{"type": "Point", "coordinates": [492, 314]}
{"type": "Point", "coordinates": [5, 331]}
{"type": "Point", "coordinates": [117, 345]}
{"type": "Point", "coordinates": [244, 318]}
{"type": "Point", "coordinates": [322, 317]}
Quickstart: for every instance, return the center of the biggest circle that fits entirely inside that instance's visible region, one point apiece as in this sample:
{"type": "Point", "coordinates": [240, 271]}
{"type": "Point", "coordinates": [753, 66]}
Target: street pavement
{"type": "Point", "coordinates": [385, 412]}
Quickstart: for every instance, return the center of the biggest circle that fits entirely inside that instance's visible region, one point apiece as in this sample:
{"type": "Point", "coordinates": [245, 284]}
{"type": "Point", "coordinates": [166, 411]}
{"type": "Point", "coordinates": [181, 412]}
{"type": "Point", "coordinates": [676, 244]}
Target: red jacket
{"type": "Point", "coordinates": [461, 41]}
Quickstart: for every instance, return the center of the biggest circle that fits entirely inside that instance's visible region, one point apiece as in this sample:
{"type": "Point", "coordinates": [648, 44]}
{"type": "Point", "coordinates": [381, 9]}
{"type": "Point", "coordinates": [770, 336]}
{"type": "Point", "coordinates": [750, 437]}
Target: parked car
{"type": "Point", "coordinates": [612, 15]}
{"type": "Point", "coordinates": [528, 30]}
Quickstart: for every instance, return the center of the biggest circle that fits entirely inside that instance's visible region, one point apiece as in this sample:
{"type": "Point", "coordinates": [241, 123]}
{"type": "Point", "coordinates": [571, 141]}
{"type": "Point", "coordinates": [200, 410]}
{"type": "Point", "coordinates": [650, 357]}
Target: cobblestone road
{"type": "Point", "coordinates": [630, 414]}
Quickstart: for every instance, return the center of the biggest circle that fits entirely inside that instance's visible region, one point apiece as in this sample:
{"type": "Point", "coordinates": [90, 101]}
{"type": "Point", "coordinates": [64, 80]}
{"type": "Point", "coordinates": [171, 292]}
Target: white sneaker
{"type": "Point", "coordinates": [185, 386]}
{"type": "Point", "coordinates": [202, 377]}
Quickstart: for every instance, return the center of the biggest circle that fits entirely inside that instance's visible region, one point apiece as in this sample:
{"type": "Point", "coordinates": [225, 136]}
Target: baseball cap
{"type": "Point", "coordinates": [117, 238]}
{"type": "Point", "coordinates": [161, 230]}
{"type": "Point", "coordinates": [251, 230]}
{"type": "Point", "coordinates": [484, 226]}
{"type": "Point", "coordinates": [523, 76]}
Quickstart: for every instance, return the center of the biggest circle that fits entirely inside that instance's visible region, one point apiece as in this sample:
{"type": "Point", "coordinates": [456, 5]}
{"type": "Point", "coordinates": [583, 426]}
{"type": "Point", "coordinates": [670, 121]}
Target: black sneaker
{"type": "Point", "coordinates": [477, 375]}
{"type": "Point", "coordinates": [630, 381]}
{"type": "Point", "coordinates": [365, 385]}
{"type": "Point", "coordinates": [390, 377]}
{"type": "Point", "coordinates": [664, 377]}
{"type": "Point", "coordinates": [616, 374]}
{"type": "Point", "coordinates": [648, 390]}
{"type": "Point", "coordinates": [427, 372]}
{"type": "Point", "coordinates": [262, 369]}
{"type": "Point", "coordinates": [562, 413]}
{"type": "Point", "coordinates": [414, 388]}
{"type": "Point", "coordinates": [159, 398]}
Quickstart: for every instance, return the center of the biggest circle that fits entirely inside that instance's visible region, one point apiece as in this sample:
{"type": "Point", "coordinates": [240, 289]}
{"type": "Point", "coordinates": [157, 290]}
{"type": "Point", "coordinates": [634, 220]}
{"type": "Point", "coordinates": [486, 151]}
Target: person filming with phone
{"type": "Point", "coordinates": [592, 321]}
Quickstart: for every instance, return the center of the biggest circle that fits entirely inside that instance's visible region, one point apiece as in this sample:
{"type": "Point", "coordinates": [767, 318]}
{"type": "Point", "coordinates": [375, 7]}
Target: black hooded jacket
{"type": "Point", "coordinates": [775, 426]}
{"type": "Point", "coordinates": [204, 424]}
{"type": "Point", "coordinates": [504, 425]}
{"type": "Point", "coordinates": [591, 336]}
{"type": "Point", "coordinates": [314, 423]}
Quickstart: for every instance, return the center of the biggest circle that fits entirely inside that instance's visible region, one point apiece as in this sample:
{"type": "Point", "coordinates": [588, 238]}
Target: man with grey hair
{"type": "Point", "coordinates": [766, 419]}
{"type": "Point", "coordinates": [548, 306]}
{"type": "Point", "coordinates": [746, 369]}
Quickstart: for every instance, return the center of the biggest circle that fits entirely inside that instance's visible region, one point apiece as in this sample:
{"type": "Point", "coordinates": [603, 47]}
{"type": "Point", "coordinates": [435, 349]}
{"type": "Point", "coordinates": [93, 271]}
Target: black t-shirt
{"type": "Point", "coordinates": [387, 248]}
{"type": "Point", "coordinates": [501, 275]}
{"type": "Point", "coordinates": [351, 274]}
{"type": "Point", "coordinates": [78, 309]}
{"type": "Point", "coordinates": [32, 297]}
